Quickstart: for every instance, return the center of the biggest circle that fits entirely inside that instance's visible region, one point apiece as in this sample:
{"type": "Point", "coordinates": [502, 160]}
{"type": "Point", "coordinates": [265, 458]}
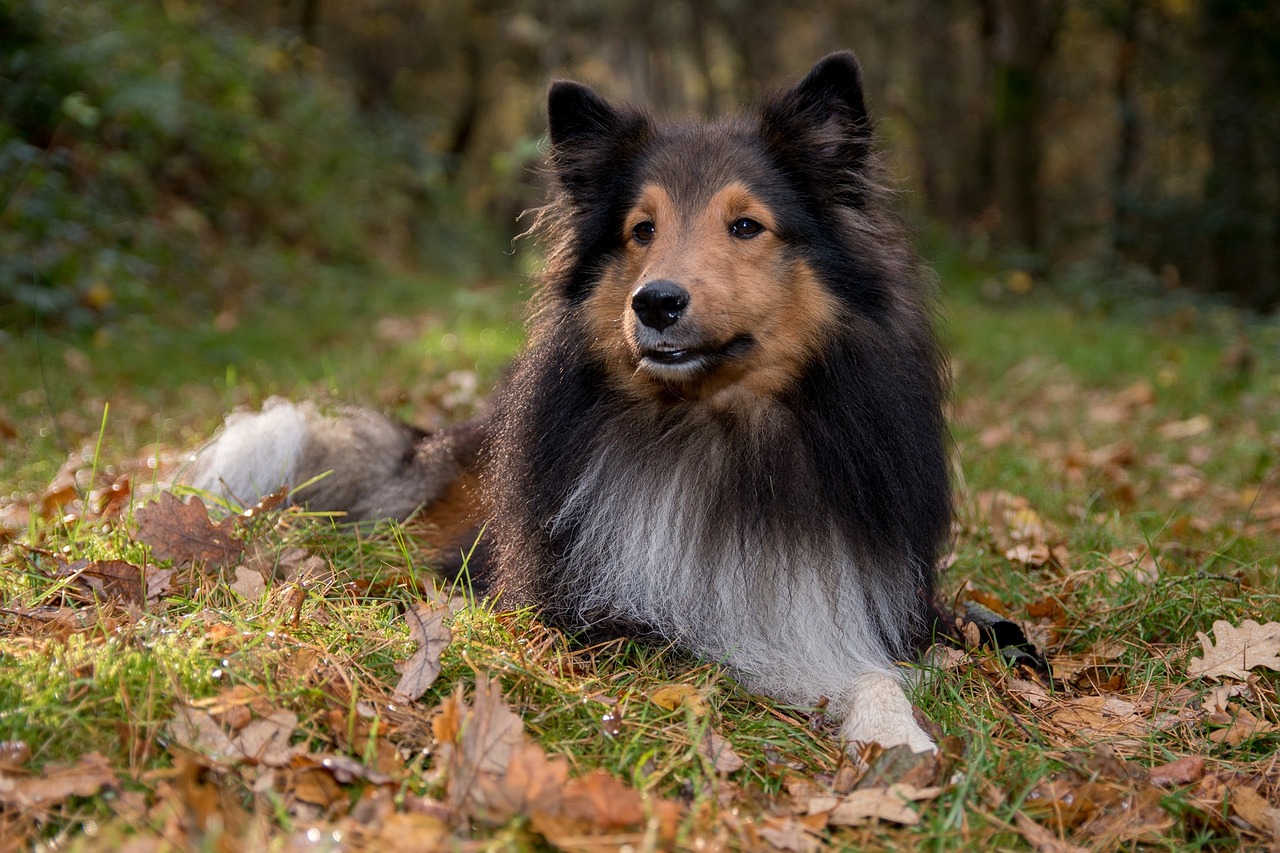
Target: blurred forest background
{"type": "Point", "coordinates": [207, 155]}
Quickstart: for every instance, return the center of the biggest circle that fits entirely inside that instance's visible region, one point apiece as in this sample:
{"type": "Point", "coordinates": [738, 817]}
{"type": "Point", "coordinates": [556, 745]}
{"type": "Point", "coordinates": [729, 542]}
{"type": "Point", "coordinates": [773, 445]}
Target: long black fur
{"type": "Point", "coordinates": [858, 443]}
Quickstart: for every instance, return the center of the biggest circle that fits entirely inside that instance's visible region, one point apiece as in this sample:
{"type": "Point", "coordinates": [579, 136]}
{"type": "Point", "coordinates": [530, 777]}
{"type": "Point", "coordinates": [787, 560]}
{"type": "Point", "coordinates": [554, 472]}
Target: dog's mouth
{"type": "Point", "coordinates": [680, 362]}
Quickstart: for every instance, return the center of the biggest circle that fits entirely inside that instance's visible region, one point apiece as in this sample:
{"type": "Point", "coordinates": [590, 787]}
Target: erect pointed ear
{"type": "Point", "coordinates": [575, 113]}
{"type": "Point", "coordinates": [822, 120]}
{"type": "Point", "coordinates": [591, 139]}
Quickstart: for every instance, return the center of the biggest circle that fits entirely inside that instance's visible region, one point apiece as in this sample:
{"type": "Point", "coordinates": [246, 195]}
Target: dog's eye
{"type": "Point", "coordinates": [745, 229]}
{"type": "Point", "coordinates": [643, 232]}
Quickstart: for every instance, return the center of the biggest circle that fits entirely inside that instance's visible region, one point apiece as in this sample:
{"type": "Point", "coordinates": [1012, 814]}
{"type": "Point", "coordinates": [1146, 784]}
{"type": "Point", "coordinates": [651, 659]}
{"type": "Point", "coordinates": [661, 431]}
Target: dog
{"type": "Point", "coordinates": [726, 427]}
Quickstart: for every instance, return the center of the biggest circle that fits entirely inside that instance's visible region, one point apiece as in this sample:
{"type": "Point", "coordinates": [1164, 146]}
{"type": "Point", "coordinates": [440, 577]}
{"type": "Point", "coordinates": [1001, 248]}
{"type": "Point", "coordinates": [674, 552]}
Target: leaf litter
{"type": "Point", "coordinates": [1128, 718]}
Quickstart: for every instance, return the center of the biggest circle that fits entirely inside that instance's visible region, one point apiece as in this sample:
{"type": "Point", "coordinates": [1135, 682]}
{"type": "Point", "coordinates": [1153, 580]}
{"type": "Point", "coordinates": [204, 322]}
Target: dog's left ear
{"type": "Point", "coordinates": [821, 123]}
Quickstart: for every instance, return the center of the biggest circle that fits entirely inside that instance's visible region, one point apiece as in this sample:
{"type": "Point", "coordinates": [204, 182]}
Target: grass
{"type": "Point", "coordinates": [1154, 438]}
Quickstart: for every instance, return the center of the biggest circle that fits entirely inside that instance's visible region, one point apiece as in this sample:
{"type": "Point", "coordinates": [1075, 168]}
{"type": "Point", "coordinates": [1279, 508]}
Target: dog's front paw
{"type": "Point", "coordinates": [879, 712]}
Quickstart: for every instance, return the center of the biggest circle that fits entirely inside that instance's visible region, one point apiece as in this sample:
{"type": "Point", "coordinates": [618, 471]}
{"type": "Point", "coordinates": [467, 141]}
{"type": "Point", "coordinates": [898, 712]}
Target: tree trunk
{"type": "Point", "coordinates": [1123, 190]}
{"type": "Point", "coordinates": [1239, 88]}
{"type": "Point", "coordinates": [1022, 46]}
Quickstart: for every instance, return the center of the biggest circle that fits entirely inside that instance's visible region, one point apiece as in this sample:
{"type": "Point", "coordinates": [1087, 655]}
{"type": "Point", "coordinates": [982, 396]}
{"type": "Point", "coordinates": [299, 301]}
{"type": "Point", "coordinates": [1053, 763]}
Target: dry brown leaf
{"type": "Point", "coordinates": [1011, 520]}
{"type": "Point", "coordinates": [1182, 771]}
{"type": "Point", "coordinates": [487, 734]}
{"type": "Point", "coordinates": [1217, 699]}
{"type": "Point", "coordinates": [427, 628]}
{"type": "Point", "coordinates": [603, 802]}
{"type": "Point", "coordinates": [1032, 556]}
{"type": "Point", "coordinates": [1182, 430]}
{"type": "Point", "coordinates": [1237, 650]}
{"type": "Point", "coordinates": [672, 696]}
{"type": "Point", "coordinates": [264, 740]}
{"type": "Point", "coordinates": [182, 532]}
{"type": "Point", "coordinates": [248, 583]}
{"type": "Point", "coordinates": [1243, 726]}
{"type": "Point", "coordinates": [110, 579]}
{"type": "Point", "coordinates": [867, 805]}
{"type": "Point", "coordinates": [532, 784]}
{"type": "Point", "coordinates": [199, 732]}
{"type": "Point", "coordinates": [56, 783]}
{"type": "Point", "coordinates": [789, 834]}
{"type": "Point", "coordinates": [1042, 839]}
{"type": "Point", "coordinates": [317, 786]}
{"type": "Point", "coordinates": [412, 832]}
{"type": "Point", "coordinates": [717, 749]}
{"type": "Point", "coordinates": [1036, 835]}
{"type": "Point", "coordinates": [1029, 692]}
{"type": "Point", "coordinates": [1127, 818]}
{"type": "Point", "coordinates": [1254, 808]}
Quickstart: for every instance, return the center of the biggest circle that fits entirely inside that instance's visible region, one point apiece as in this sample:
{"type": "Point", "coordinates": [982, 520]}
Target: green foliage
{"type": "Point", "coordinates": [157, 157]}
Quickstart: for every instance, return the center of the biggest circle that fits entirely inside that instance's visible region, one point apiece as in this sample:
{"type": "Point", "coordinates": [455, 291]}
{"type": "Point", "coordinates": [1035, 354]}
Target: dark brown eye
{"type": "Point", "coordinates": [643, 232]}
{"type": "Point", "coordinates": [745, 229]}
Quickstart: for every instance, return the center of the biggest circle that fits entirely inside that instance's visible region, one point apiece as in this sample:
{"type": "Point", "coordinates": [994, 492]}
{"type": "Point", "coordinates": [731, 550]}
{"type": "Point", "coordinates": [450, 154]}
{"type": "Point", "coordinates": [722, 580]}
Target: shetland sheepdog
{"type": "Point", "coordinates": [726, 427]}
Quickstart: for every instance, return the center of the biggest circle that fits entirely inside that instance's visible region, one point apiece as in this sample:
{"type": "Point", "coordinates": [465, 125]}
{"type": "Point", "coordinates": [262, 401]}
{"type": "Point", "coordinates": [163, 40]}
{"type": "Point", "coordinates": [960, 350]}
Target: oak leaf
{"type": "Point", "coordinates": [1237, 650]}
{"type": "Point", "coordinates": [426, 626]}
{"type": "Point", "coordinates": [182, 532]}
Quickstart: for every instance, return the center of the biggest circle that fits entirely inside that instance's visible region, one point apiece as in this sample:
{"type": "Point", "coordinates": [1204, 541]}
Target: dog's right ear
{"type": "Point", "coordinates": [576, 114]}
{"type": "Point", "coordinates": [590, 138]}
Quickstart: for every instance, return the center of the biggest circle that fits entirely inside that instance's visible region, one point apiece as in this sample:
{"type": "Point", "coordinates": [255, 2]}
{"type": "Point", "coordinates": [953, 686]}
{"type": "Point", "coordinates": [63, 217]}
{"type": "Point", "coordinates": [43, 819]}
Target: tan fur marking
{"type": "Point", "coordinates": [736, 287]}
{"type": "Point", "coordinates": [448, 521]}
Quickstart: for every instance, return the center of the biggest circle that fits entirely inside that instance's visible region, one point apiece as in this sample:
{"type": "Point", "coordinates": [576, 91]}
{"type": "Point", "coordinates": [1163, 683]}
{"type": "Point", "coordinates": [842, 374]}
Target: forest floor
{"type": "Point", "coordinates": [275, 682]}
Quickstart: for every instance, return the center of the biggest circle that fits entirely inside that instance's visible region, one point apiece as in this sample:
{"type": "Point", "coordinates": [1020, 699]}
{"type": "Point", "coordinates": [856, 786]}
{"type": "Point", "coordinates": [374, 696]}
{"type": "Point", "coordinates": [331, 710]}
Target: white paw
{"type": "Point", "coordinates": [879, 712]}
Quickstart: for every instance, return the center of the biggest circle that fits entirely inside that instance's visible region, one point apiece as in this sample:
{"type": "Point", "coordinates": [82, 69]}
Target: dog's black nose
{"type": "Point", "coordinates": [659, 304]}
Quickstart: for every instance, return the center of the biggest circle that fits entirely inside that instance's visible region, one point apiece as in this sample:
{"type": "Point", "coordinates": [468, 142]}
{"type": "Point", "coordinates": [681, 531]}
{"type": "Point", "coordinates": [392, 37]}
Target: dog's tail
{"type": "Point", "coordinates": [351, 461]}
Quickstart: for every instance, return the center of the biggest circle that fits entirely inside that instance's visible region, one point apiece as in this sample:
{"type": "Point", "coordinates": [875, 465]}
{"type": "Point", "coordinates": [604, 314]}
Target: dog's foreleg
{"type": "Point", "coordinates": [878, 711]}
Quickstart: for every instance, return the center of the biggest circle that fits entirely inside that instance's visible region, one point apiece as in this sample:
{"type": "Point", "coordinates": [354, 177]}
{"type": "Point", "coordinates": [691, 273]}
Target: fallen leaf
{"type": "Point", "coordinates": [1237, 650]}
{"type": "Point", "coordinates": [789, 834]}
{"type": "Point", "coordinates": [182, 532]}
{"type": "Point", "coordinates": [427, 628]}
{"type": "Point", "coordinates": [1242, 727]}
{"type": "Point", "coordinates": [672, 696]}
{"type": "Point", "coordinates": [201, 733]}
{"type": "Point", "coordinates": [1042, 839]}
{"type": "Point", "coordinates": [263, 740]}
{"type": "Point", "coordinates": [411, 832]}
{"type": "Point", "coordinates": [487, 734]}
{"type": "Point", "coordinates": [62, 489]}
{"type": "Point", "coordinates": [1254, 808]}
{"type": "Point", "coordinates": [1182, 430]}
{"type": "Point", "coordinates": [1182, 771]}
{"type": "Point", "coordinates": [533, 784]}
{"type": "Point", "coordinates": [867, 805]}
{"type": "Point", "coordinates": [716, 749]}
{"type": "Point", "coordinates": [602, 801]}
{"type": "Point", "coordinates": [266, 739]}
{"type": "Point", "coordinates": [248, 583]}
{"type": "Point", "coordinates": [1029, 692]}
{"type": "Point", "coordinates": [1036, 835]}
{"type": "Point", "coordinates": [56, 783]}
{"type": "Point", "coordinates": [109, 579]}
{"type": "Point", "coordinates": [1216, 700]}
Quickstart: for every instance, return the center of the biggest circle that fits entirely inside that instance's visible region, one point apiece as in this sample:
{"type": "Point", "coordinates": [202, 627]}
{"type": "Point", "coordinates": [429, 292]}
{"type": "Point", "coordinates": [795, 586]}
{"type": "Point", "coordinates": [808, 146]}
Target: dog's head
{"type": "Point", "coordinates": [711, 261]}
